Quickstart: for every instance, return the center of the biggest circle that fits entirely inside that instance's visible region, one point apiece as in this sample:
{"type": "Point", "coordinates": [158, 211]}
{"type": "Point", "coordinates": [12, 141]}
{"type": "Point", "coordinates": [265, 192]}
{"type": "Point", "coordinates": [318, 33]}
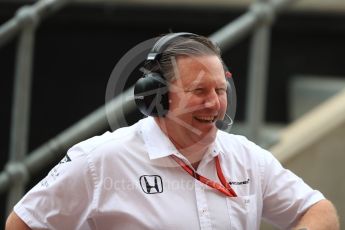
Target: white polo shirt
{"type": "Point", "coordinates": [126, 180]}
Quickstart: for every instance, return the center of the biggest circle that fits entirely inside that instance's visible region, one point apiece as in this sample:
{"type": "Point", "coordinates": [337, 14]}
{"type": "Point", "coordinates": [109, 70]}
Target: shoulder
{"type": "Point", "coordinates": [117, 139]}
{"type": "Point", "coordinates": [112, 148]}
{"type": "Point", "coordinates": [237, 143]}
{"type": "Point", "coordinates": [244, 150]}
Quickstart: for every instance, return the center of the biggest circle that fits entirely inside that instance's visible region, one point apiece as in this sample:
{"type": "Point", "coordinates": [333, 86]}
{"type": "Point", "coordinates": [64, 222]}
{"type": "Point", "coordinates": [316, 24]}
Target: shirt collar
{"type": "Point", "coordinates": [214, 149]}
{"type": "Point", "coordinates": [156, 142]}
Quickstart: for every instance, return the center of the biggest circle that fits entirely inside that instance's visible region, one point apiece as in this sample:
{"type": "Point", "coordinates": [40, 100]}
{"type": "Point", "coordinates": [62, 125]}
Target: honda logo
{"type": "Point", "coordinates": [151, 184]}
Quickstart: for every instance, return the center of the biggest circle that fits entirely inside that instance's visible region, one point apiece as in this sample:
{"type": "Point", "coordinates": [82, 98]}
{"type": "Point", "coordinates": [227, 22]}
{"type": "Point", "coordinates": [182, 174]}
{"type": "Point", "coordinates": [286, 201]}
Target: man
{"type": "Point", "coordinates": [174, 169]}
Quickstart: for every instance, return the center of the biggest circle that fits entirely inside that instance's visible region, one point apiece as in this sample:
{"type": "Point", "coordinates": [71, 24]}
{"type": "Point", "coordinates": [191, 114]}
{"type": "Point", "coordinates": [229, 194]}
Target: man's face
{"type": "Point", "coordinates": [197, 98]}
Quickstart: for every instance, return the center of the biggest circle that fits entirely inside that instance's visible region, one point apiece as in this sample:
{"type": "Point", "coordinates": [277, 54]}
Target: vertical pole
{"type": "Point", "coordinates": [21, 106]}
{"type": "Point", "coordinates": [258, 65]}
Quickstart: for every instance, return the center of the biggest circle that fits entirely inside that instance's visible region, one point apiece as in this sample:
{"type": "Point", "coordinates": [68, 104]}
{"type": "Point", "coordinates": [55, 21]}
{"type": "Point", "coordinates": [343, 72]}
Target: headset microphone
{"type": "Point", "coordinates": [224, 125]}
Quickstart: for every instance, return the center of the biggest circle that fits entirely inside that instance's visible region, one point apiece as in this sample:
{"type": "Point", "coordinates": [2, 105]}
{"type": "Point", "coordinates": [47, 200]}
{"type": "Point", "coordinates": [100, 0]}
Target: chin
{"type": "Point", "coordinates": [208, 137]}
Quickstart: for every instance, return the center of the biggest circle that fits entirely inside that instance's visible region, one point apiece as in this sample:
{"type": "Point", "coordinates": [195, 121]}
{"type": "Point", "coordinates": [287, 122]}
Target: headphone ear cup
{"type": "Point", "coordinates": [151, 95]}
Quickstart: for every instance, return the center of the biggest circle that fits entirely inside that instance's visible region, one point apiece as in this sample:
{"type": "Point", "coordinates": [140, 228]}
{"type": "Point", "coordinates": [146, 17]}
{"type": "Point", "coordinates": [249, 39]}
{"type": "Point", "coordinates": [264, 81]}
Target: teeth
{"type": "Point", "coordinates": [206, 118]}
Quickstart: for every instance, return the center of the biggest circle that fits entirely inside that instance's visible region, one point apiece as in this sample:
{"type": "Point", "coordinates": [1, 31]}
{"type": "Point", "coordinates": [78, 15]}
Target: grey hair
{"type": "Point", "coordinates": [182, 46]}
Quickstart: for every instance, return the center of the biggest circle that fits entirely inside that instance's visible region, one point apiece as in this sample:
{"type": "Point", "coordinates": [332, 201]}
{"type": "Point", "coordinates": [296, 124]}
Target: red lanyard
{"type": "Point", "coordinates": [224, 188]}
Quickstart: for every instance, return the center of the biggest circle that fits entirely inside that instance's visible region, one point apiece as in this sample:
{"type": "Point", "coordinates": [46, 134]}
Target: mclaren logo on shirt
{"type": "Point", "coordinates": [239, 182]}
{"type": "Point", "coordinates": [151, 184]}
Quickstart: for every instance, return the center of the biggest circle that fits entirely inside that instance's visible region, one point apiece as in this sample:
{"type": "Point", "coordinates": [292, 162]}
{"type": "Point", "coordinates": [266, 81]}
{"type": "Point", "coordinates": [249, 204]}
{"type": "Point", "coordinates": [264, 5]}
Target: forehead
{"type": "Point", "coordinates": [199, 69]}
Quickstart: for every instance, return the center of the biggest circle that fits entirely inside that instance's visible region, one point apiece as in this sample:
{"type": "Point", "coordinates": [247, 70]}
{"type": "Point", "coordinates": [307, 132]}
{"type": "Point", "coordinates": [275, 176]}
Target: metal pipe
{"type": "Point", "coordinates": [8, 30]}
{"type": "Point", "coordinates": [56, 148]}
{"type": "Point", "coordinates": [231, 33]}
{"type": "Point", "coordinates": [28, 15]}
{"type": "Point", "coordinates": [21, 107]}
{"type": "Point", "coordinates": [258, 65]}
{"type": "Point", "coordinates": [280, 5]}
{"type": "Point", "coordinates": [26, 21]}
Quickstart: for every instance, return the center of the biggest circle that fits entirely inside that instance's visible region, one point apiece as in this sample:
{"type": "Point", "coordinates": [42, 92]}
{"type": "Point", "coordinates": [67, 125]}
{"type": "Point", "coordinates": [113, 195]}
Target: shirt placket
{"type": "Point", "coordinates": [203, 209]}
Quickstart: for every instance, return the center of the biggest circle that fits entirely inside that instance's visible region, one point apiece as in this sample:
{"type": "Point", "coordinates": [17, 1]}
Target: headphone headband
{"type": "Point", "coordinates": [164, 41]}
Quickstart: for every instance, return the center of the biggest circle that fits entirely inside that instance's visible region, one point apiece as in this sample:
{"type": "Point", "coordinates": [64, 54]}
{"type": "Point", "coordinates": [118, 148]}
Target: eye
{"type": "Point", "coordinates": [221, 91]}
{"type": "Point", "coordinates": [198, 90]}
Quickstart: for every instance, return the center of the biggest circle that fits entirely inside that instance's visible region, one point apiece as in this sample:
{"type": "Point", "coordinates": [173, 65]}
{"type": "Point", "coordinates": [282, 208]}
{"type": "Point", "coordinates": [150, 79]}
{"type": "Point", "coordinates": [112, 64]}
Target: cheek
{"type": "Point", "coordinates": [180, 103]}
{"type": "Point", "coordinates": [223, 102]}
{"type": "Point", "coordinates": [223, 106]}
{"type": "Point", "coordinates": [174, 100]}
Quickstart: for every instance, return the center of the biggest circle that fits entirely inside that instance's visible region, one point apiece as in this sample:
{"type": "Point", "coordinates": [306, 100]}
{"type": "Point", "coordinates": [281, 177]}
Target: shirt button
{"type": "Point", "coordinates": [204, 212]}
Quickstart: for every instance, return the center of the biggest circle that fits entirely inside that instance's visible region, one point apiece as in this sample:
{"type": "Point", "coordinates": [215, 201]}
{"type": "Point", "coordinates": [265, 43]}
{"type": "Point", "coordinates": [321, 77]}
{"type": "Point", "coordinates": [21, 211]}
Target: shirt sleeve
{"type": "Point", "coordinates": [285, 195]}
{"type": "Point", "coordinates": [63, 199]}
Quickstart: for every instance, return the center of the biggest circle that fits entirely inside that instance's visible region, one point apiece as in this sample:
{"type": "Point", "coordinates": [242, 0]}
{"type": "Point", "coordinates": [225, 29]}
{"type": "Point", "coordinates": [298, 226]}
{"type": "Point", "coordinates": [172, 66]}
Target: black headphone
{"type": "Point", "coordinates": [151, 91]}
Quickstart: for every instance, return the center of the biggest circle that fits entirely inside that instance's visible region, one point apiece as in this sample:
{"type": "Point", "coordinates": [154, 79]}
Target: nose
{"type": "Point", "coordinates": [212, 101]}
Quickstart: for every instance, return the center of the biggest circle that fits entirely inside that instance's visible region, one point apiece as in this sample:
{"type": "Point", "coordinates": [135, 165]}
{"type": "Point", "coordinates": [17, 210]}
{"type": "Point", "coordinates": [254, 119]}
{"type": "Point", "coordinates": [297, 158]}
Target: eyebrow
{"type": "Point", "coordinates": [201, 84]}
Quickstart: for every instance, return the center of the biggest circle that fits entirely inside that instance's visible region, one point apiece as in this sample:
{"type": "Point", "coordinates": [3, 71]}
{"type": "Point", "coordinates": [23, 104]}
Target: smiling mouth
{"type": "Point", "coordinates": [206, 119]}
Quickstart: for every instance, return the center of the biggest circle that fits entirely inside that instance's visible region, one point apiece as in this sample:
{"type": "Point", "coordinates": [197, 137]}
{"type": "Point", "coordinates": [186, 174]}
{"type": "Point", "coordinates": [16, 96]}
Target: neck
{"type": "Point", "coordinates": [191, 149]}
{"type": "Point", "coordinates": [193, 153]}
{"type": "Point", "coordinates": [195, 165]}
